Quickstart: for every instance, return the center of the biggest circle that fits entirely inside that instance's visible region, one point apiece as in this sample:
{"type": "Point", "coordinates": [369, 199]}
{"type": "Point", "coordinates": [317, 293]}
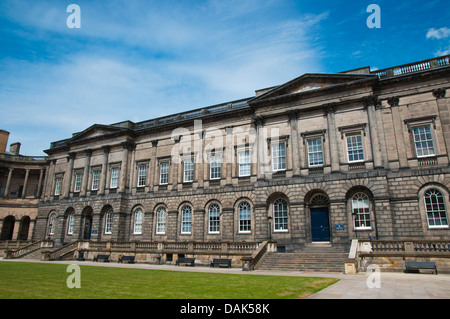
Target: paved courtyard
{"type": "Point", "coordinates": [384, 285]}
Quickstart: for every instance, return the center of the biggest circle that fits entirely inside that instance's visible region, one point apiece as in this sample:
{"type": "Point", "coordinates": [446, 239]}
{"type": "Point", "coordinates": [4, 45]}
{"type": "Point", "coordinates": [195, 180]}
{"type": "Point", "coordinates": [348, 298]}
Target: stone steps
{"type": "Point", "coordinates": [311, 258]}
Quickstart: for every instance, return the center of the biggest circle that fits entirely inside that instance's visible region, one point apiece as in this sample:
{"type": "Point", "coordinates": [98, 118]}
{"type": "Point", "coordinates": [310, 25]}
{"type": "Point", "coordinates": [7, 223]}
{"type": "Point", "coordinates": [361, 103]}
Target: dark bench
{"type": "Point", "coordinates": [105, 258]}
{"type": "Point", "coordinates": [218, 261]}
{"type": "Point", "coordinates": [182, 260]}
{"type": "Point", "coordinates": [416, 265]}
{"type": "Point", "coordinates": [129, 259]}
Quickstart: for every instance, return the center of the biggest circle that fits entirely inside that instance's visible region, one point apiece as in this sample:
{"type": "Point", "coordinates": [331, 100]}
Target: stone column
{"type": "Point", "coordinates": [295, 148]}
{"type": "Point", "coordinates": [87, 163]}
{"type": "Point", "coordinates": [68, 176]}
{"type": "Point", "coordinates": [444, 116]}
{"type": "Point", "coordinates": [261, 167]}
{"type": "Point", "coordinates": [330, 109]}
{"type": "Point", "coordinates": [228, 159]}
{"type": "Point", "coordinates": [104, 171]}
{"type": "Point", "coordinates": [127, 147]}
{"type": "Point", "coordinates": [25, 183]}
{"type": "Point", "coordinates": [39, 190]}
{"type": "Point", "coordinates": [371, 102]}
{"type": "Point", "coordinates": [8, 182]}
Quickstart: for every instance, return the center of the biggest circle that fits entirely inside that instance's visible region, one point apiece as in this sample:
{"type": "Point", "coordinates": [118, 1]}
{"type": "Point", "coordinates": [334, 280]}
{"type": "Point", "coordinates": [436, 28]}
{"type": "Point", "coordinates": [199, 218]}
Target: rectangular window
{"type": "Point", "coordinates": [108, 223]}
{"type": "Point", "coordinates": [423, 141]}
{"type": "Point", "coordinates": [279, 157]}
{"type": "Point", "coordinates": [78, 181]}
{"type": "Point", "coordinates": [58, 184]}
{"type": "Point", "coordinates": [164, 173]}
{"type": "Point", "coordinates": [142, 172]}
{"type": "Point", "coordinates": [188, 170]}
{"type": "Point", "coordinates": [355, 148]}
{"type": "Point", "coordinates": [71, 224]}
{"type": "Point", "coordinates": [161, 221]}
{"type": "Point", "coordinates": [186, 220]}
{"type": "Point", "coordinates": [244, 163]}
{"type": "Point", "coordinates": [95, 180]}
{"type": "Point", "coordinates": [315, 152]}
{"type": "Point", "coordinates": [114, 177]}
{"type": "Point", "coordinates": [215, 166]}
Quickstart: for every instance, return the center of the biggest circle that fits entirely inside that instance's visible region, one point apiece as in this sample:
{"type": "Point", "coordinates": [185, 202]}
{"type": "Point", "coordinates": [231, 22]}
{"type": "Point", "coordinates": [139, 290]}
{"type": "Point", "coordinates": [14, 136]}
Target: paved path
{"type": "Point", "coordinates": [360, 286]}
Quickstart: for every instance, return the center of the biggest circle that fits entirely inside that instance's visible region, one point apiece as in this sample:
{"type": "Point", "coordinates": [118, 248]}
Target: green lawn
{"type": "Point", "coordinates": [38, 280]}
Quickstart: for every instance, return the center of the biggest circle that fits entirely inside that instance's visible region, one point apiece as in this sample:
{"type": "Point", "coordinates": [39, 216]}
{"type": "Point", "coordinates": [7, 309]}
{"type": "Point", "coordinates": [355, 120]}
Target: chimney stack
{"type": "Point", "coordinates": [14, 148]}
{"type": "Point", "coordinates": [4, 135]}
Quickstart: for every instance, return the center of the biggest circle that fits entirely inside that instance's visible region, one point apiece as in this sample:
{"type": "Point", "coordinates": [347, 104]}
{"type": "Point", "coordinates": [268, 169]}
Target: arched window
{"type": "Point", "coordinates": [186, 219]}
{"type": "Point", "coordinates": [245, 217]}
{"type": "Point", "coordinates": [70, 223]}
{"type": "Point", "coordinates": [108, 221]}
{"type": "Point", "coordinates": [51, 223]}
{"type": "Point", "coordinates": [280, 215]}
{"type": "Point", "coordinates": [214, 218]}
{"type": "Point", "coordinates": [361, 211]}
{"type": "Point", "coordinates": [435, 209]}
{"type": "Point", "coordinates": [138, 217]}
{"type": "Point", "coordinates": [161, 220]}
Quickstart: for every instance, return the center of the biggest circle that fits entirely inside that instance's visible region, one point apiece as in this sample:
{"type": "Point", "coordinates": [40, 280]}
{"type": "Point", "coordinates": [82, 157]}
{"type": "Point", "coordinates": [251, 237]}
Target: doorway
{"type": "Point", "coordinates": [320, 224]}
{"type": "Point", "coordinates": [8, 228]}
{"type": "Point", "coordinates": [87, 227]}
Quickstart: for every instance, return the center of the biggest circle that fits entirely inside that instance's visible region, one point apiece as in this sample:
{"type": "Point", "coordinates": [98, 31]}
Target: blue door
{"type": "Point", "coordinates": [320, 228]}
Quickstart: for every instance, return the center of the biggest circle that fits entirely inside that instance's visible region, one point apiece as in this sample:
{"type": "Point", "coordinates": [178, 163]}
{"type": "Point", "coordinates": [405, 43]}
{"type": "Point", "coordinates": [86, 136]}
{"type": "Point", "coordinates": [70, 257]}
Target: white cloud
{"type": "Point", "coordinates": [136, 61]}
{"type": "Point", "coordinates": [440, 33]}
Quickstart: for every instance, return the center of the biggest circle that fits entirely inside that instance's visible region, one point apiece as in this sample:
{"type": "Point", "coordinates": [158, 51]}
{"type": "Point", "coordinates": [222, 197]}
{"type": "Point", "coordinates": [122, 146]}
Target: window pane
{"type": "Point", "coordinates": [361, 211]}
{"type": "Point", "coordinates": [161, 221]}
{"type": "Point", "coordinates": [214, 218]}
{"type": "Point", "coordinates": [435, 209]}
{"type": "Point", "coordinates": [114, 177]}
{"type": "Point", "coordinates": [95, 180]}
{"type": "Point", "coordinates": [108, 222]}
{"type": "Point", "coordinates": [315, 154]}
{"type": "Point", "coordinates": [164, 173]}
{"type": "Point", "coordinates": [423, 141]}
{"type": "Point", "coordinates": [355, 148]}
{"type": "Point", "coordinates": [142, 172]}
{"type": "Point", "coordinates": [215, 166]}
{"type": "Point", "coordinates": [138, 217]}
{"type": "Point", "coordinates": [244, 163]}
{"type": "Point", "coordinates": [279, 157]}
{"type": "Point", "coordinates": [280, 215]}
{"type": "Point", "coordinates": [78, 181]}
{"type": "Point", "coordinates": [186, 220]}
{"type": "Point", "coordinates": [188, 170]}
{"type": "Point", "coordinates": [244, 217]}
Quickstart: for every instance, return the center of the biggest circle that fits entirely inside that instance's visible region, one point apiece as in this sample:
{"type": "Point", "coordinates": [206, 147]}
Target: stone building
{"type": "Point", "coordinates": [21, 181]}
{"type": "Point", "coordinates": [321, 158]}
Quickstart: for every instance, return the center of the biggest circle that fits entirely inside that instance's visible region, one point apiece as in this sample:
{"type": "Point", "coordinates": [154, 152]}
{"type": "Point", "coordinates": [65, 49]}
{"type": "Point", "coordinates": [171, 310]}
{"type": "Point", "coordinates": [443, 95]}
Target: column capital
{"type": "Point", "coordinates": [293, 114]}
{"type": "Point", "coordinates": [71, 156]}
{"type": "Point", "coordinates": [330, 108]}
{"type": "Point", "coordinates": [393, 101]}
{"type": "Point", "coordinates": [106, 149]}
{"type": "Point", "coordinates": [259, 120]}
{"type": "Point", "coordinates": [439, 93]}
{"type": "Point", "coordinates": [372, 100]}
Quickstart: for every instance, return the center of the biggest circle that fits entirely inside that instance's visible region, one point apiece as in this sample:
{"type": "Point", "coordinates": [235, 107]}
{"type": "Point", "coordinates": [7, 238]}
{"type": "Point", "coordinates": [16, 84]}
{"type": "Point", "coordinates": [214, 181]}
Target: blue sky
{"type": "Point", "coordinates": [136, 60]}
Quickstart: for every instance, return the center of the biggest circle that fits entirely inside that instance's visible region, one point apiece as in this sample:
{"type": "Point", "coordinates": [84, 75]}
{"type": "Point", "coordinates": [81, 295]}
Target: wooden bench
{"type": "Point", "coordinates": [129, 259]}
{"type": "Point", "coordinates": [104, 257]}
{"type": "Point", "coordinates": [417, 265]}
{"type": "Point", "coordinates": [218, 261]}
{"type": "Point", "coordinates": [182, 260]}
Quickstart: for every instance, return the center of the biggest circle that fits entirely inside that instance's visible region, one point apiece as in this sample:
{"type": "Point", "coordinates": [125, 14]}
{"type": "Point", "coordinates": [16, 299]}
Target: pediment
{"type": "Point", "coordinates": [96, 130]}
{"type": "Point", "coordinates": [312, 82]}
